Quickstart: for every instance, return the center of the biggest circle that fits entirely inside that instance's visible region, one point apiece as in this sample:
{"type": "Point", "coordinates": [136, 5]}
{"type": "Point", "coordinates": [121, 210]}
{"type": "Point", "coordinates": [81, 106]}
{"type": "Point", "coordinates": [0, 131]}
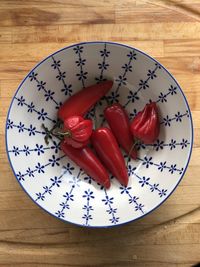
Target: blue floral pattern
{"type": "Point", "coordinates": [33, 160]}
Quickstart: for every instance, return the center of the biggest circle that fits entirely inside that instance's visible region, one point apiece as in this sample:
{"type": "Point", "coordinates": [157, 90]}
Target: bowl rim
{"type": "Point", "coordinates": [121, 45]}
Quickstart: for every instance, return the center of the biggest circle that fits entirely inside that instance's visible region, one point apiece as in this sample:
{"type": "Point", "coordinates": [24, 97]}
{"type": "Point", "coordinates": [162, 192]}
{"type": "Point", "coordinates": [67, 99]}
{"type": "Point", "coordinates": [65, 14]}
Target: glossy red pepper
{"type": "Point", "coordinates": [109, 153]}
{"type": "Point", "coordinates": [146, 126]}
{"type": "Point", "coordinates": [81, 102]}
{"type": "Point", "coordinates": [77, 131]}
{"type": "Point", "coordinates": [118, 121]}
{"type": "Point", "coordinates": [89, 162]}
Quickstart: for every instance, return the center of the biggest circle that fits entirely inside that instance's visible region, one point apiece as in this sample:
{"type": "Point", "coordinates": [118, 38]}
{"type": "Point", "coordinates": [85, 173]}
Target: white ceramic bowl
{"type": "Point", "coordinates": [58, 185]}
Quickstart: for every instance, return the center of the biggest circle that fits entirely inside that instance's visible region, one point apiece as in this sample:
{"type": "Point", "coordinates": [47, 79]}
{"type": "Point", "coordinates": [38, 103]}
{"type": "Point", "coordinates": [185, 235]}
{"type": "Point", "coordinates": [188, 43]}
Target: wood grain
{"type": "Point", "coordinates": [166, 29]}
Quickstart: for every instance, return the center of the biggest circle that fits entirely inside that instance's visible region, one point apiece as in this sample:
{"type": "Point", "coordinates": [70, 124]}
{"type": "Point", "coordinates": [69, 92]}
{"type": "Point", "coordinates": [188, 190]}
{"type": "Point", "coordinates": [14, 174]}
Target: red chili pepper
{"type": "Point", "coordinates": [87, 160]}
{"type": "Point", "coordinates": [118, 121]}
{"type": "Point", "coordinates": [146, 126]}
{"type": "Point", "coordinates": [108, 151]}
{"type": "Point", "coordinates": [82, 101]}
{"type": "Point", "coordinates": [77, 131]}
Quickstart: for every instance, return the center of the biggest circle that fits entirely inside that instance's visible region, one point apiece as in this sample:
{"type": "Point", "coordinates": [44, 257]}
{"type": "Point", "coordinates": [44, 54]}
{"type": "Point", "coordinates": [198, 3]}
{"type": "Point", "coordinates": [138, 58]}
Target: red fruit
{"type": "Point", "coordinates": [118, 121]}
{"type": "Point", "coordinates": [146, 126]}
{"type": "Point", "coordinates": [109, 153]}
{"type": "Point", "coordinates": [89, 162]}
{"type": "Point", "coordinates": [81, 102]}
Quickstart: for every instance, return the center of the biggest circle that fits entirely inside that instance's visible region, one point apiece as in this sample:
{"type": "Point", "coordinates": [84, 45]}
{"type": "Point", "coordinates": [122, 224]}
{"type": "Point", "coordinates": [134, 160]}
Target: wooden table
{"type": "Point", "coordinates": [167, 30]}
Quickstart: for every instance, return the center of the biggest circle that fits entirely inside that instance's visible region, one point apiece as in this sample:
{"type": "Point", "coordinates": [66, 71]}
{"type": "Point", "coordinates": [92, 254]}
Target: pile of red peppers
{"type": "Point", "coordinates": [97, 151]}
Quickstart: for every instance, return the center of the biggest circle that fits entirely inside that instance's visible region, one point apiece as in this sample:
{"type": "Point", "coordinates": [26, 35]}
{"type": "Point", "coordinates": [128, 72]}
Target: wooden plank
{"type": "Point", "coordinates": [181, 47]}
{"type": "Point", "coordinates": [31, 15]}
{"type": "Point", "coordinates": [34, 54]}
{"type": "Point", "coordinates": [152, 11]}
{"type": "Point", "coordinates": [111, 32]}
{"type": "Point", "coordinates": [34, 219]}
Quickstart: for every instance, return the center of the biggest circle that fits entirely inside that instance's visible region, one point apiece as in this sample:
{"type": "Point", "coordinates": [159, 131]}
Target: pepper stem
{"type": "Point", "coordinates": [49, 133]}
{"type": "Point", "coordinates": [136, 142]}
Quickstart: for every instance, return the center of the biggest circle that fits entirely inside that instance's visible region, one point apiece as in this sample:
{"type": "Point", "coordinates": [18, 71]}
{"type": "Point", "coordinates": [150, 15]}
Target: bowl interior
{"type": "Point", "coordinates": [56, 183]}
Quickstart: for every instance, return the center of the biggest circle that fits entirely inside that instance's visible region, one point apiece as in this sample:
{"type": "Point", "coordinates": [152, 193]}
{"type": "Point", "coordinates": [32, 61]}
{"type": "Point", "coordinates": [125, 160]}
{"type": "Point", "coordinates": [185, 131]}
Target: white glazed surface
{"type": "Point", "coordinates": [57, 184]}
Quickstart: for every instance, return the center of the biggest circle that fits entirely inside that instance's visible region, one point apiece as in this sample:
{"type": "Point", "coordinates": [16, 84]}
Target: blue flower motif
{"type": "Point", "coordinates": [55, 146]}
{"type": "Point", "coordinates": [87, 217]}
{"type": "Point", "coordinates": [113, 97]}
{"type": "Point", "coordinates": [133, 199]}
{"type": "Point", "coordinates": [20, 127]}
{"type": "Point", "coordinates": [67, 90]}
{"type": "Point", "coordinates": [125, 189]}
{"type": "Point", "coordinates": [60, 214]}
{"type": "Point", "coordinates": [127, 67]}
{"type": "Point", "coordinates": [172, 90]}
{"type": "Point", "coordinates": [69, 196]}
{"type": "Point", "coordinates": [172, 168]}
{"type": "Point", "coordinates": [103, 66]}
{"type": "Point", "coordinates": [80, 62]}
{"type": "Point", "coordinates": [114, 220]}
{"type": "Point", "coordinates": [131, 170]}
{"type": "Point", "coordinates": [47, 190]}
{"type": "Point", "coordinates": [64, 205]}
{"type": "Point", "coordinates": [88, 194]}
{"type": "Point", "coordinates": [42, 114]}
{"type": "Point", "coordinates": [151, 74]}
{"type": "Point", "coordinates": [49, 95]}
{"type": "Point", "coordinates": [39, 149]}
{"type": "Point", "coordinates": [111, 211]}
{"type": "Point", "coordinates": [172, 144]}
{"type": "Point", "coordinates": [158, 145]}
{"type": "Point", "coordinates": [147, 161]}
{"type": "Point", "coordinates": [26, 150]}
{"type": "Point", "coordinates": [15, 150]}
{"type": "Point", "coordinates": [184, 143]}
{"type": "Point", "coordinates": [82, 75]}
{"type": "Point", "coordinates": [30, 172]}
{"type": "Point", "coordinates": [107, 200]}
{"type": "Point", "coordinates": [143, 84]}
{"type": "Point", "coordinates": [54, 161]}
{"type": "Point", "coordinates": [144, 181]}
{"type": "Point", "coordinates": [33, 76]}
{"type": "Point", "coordinates": [132, 96]}
{"type": "Point", "coordinates": [121, 80]}
{"type": "Point", "coordinates": [39, 168]}
{"type": "Point", "coordinates": [162, 192]}
{"type": "Point", "coordinates": [154, 187]}
{"type": "Point", "coordinates": [100, 79]}
{"type": "Point", "coordinates": [32, 130]}
{"type": "Point", "coordinates": [140, 146]}
{"type": "Point", "coordinates": [162, 97]}
{"type": "Point", "coordinates": [31, 107]}
{"type": "Point", "coordinates": [9, 124]}
{"type": "Point", "coordinates": [75, 181]}
{"type": "Point", "coordinates": [40, 196]}
{"type": "Point", "coordinates": [56, 181]}
{"type": "Point", "coordinates": [78, 49]}
{"type": "Point", "coordinates": [181, 171]}
{"type": "Point", "coordinates": [104, 53]}
{"type": "Point", "coordinates": [56, 64]}
{"type": "Point", "coordinates": [20, 176]}
{"type": "Point", "coordinates": [87, 208]}
{"type": "Point", "coordinates": [132, 55]}
{"type": "Point", "coordinates": [41, 85]}
{"type": "Point", "coordinates": [167, 121]}
{"type": "Point", "coordinates": [68, 168]}
{"type": "Point", "coordinates": [88, 179]}
{"type": "Point", "coordinates": [21, 101]}
{"type": "Point", "coordinates": [133, 113]}
{"type": "Point", "coordinates": [178, 116]}
{"type": "Point", "coordinates": [158, 65]}
{"type": "Point", "coordinates": [139, 207]}
{"type": "Point", "coordinates": [61, 75]}
{"type": "Point", "coordinates": [162, 166]}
